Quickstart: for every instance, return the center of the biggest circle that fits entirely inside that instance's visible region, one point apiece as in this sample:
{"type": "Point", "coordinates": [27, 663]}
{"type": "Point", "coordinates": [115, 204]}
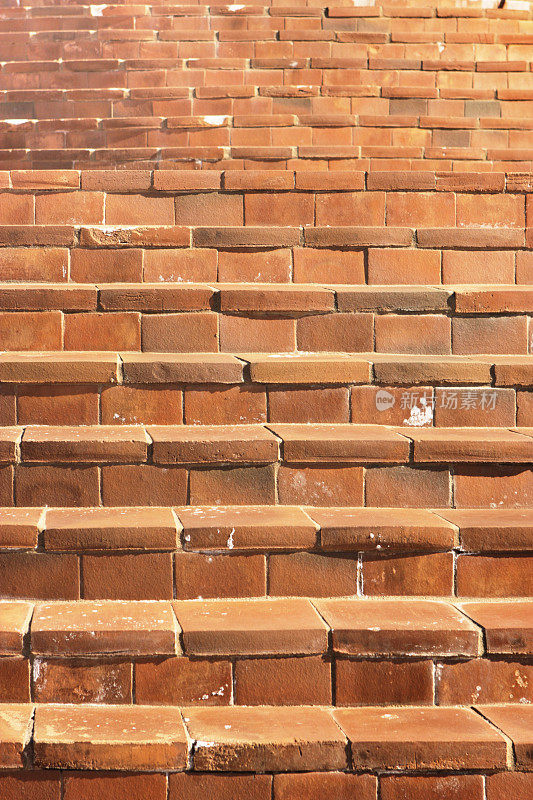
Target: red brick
{"type": "Point", "coordinates": [350, 208]}
{"type": "Point", "coordinates": [388, 266]}
{"type": "Point", "coordinates": [190, 786]}
{"type": "Point", "coordinates": [376, 683]}
{"type": "Point", "coordinates": [14, 682]}
{"type": "Point", "coordinates": [225, 406]}
{"type": "Point", "coordinates": [6, 486]}
{"type": "Point", "coordinates": [255, 334]}
{"type": "Point", "coordinates": [407, 404]}
{"type": "Point", "coordinates": [494, 335]}
{"type": "Point", "coordinates": [202, 575]}
{"type": "Point", "coordinates": [144, 485]}
{"type": "Point", "coordinates": [308, 405]}
{"type": "Point", "coordinates": [57, 405]}
{"type": "Point", "coordinates": [524, 267]}
{"type": "Point", "coordinates": [127, 576]}
{"type": "Point", "coordinates": [39, 575]}
{"type": "Point", "coordinates": [494, 210]}
{"type": "Point", "coordinates": [180, 681]}
{"type": "Point", "coordinates": [31, 785]}
{"type": "Point", "coordinates": [33, 264]}
{"type": "Point", "coordinates": [442, 787]}
{"type": "Point", "coordinates": [210, 209]}
{"type": "Point", "coordinates": [155, 405]}
{"type": "Point", "coordinates": [57, 486]}
{"type": "Point", "coordinates": [424, 575]}
{"type": "Point", "coordinates": [95, 785]}
{"type": "Point", "coordinates": [181, 265]}
{"type": "Point", "coordinates": [338, 332]}
{"type": "Point", "coordinates": [235, 486]}
{"type": "Point", "coordinates": [64, 208]}
{"type": "Point", "coordinates": [285, 681]}
{"type": "Point", "coordinates": [268, 266]}
{"type": "Point", "coordinates": [318, 785]}
{"type": "Point", "coordinates": [477, 266]}
{"type": "Point", "coordinates": [339, 266]}
{"type": "Point", "coordinates": [16, 209]}
{"type": "Point", "coordinates": [420, 209]}
{"type": "Point", "coordinates": [31, 330]}
{"type": "Point", "coordinates": [88, 266]}
{"type": "Point", "coordinates": [321, 486]}
{"type": "Point", "coordinates": [98, 331]}
{"type": "Point", "coordinates": [179, 333]}
{"type": "Point", "coordinates": [484, 681]}
{"type": "Point", "coordinates": [493, 487]}
{"type": "Point", "coordinates": [314, 574]}
{"type": "Point", "coordinates": [405, 487]}
{"type": "Point", "coordinates": [83, 681]}
{"type": "Point", "coordinates": [278, 209]}
{"type": "Point", "coordinates": [468, 406]}
{"type": "Point", "coordinates": [138, 210]}
{"type": "Point", "coordinates": [404, 333]}
{"type": "Point", "coordinates": [492, 576]}
{"type": "Point", "coordinates": [518, 785]}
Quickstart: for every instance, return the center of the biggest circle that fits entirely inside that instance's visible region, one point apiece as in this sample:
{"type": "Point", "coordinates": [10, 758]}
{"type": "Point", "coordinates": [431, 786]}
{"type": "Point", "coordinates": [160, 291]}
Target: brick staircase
{"type": "Point", "coordinates": [266, 407]}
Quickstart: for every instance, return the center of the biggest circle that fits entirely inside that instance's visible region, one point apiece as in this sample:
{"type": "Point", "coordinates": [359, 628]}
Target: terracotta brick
{"type": "Point", "coordinates": [392, 405]}
{"type": "Point", "coordinates": [312, 574]}
{"type": "Point", "coordinates": [339, 332]}
{"type": "Point", "coordinates": [308, 405]}
{"type": "Point", "coordinates": [524, 267]}
{"type": "Point", "coordinates": [15, 720]}
{"type": "Point", "coordinates": [350, 208]}
{"type": "Point", "coordinates": [97, 331]}
{"type": "Point", "coordinates": [145, 485]}
{"type": "Point", "coordinates": [225, 406]}
{"type": "Point", "coordinates": [407, 486]}
{"type": "Point", "coordinates": [493, 576]}
{"type": "Point", "coordinates": [376, 683]}
{"type": "Point", "coordinates": [110, 737]}
{"type": "Point", "coordinates": [409, 575]}
{"type": "Point", "coordinates": [272, 266]}
{"type": "Point", "coordinates": [483, 681]}
{"type": "Point", "coordinates": [285, 681]}
{"type": "Point", "coordinates": [199, 575]}
{"type": "Point", "coordinates": [57, 405]}
{"type": "Point", "coordinates": [493, 210]}
{"type": "Point", "coordinates": [493, 487]}
{"type": "Point", "coordinates": [138, 210]}
{"type": "Point", "coordinates": [524, 402]}
{"type": "Point", "coordinates": [442, 787]}
{"type": "Point", "coordinates": [468, 406]}
{"type": "Point", "coordinates": [6, 486]}
{"type": "Point", "coordinates": [31, 330]}
{"type": "Point", "coordinates": [477, 266]}
{"type": "Point", "coordinates": [82, 681]}
{"type": "Point", "coordinates": [8, 411]}
{"type": "Point", "coordinates": [132, 405]}
{"type": "Point", "coordinates": [209, 209]}
{"type": "Point", "coordinates": [94, 785]}
{"type": "Point", "coordinates": [240, 333]}
{"type": "Point", "coordinates": [321, 486]}
{"type": "Point", "coordinates": [33, 264]}
{"type": "Point", "coordinates": [31, 785]}
{"type": "Point", "coordinates": [56, 486]}
{"type": "Point", "coordinates": [264, 739]}
{"type": "Point", "coordinates": [19, 527]}
{"type": "Point", "coordinates": [235, 486]}
{"type": "Point", "coordinates": [397, 333]}
{"type": "Point", "coordinates": [180, 265]}
{"type": "Point", "coordinates": [88, 266]}
{"type": "Point", "coordinates": [446, 739]}
{"type": "Point", "coordinates": [67, 208]}
{"type": "Point", "coordinates": [420, 209]}
{"type": "Point", "coordinates": [489, 335]}
{"type": "Point", "coordinates": [84, 443]}
{"type": "Point", "coordinates": [14, 682]}
{"type": "Point", "coordinates": [128, 576]}
{"type": "Point", "coordinates": [179, 332]}
{"type": "Point", "coordinates": [515, 722]}
{"type": "Point", "coordinates": [190, 786]}
{"type": "Point", "coordinates": [39, 575]}
{"type": "Point", "coordinates": [278, 209]}
{"type": "Point", "coordinates": [17, 209]}
{"type": "Point", "coordinates": [340, 266]}
{"type": "Point", "coordinates": [387, 266]}
{"type": "Point", "coordinates": [180, 681]}
{"type": "Point", "coordinates": [317, 785]}
{"type": "Point", "coordinates": [510, 784]}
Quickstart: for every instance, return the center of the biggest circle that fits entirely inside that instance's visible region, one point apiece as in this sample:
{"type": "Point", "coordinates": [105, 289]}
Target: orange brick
{"type": "Point", "coordinates": [120, 786]}
{"type": "Point", "coordinates": [317, 785]}
{"type": "Point", "coordinates": [320, 486]}
{"type": "Point", "coordinates": [199, 575]}
{"type": "Point", "coordinates": [57, 405]}
{"type": "Point", "coordinates": [376, 683]}
{"type": "Point", "coordinates": [267, 266]}
{"type": "Point", "coordinates": [31, 785]}
{"type": "Point", "coordinates": [493, 487]}
{"type": "Point", "coordinates": [493, 576]}
{"type": "Point", "coordinates": [350, 208]}
{"type": "Point", "coordinates": [14, 682]}
{"type": "Point", "coordinates": [337, 332]}
{"type": "Point", "coordinates": [99, 331]}
{"type": "Point", "coordinates": [39, 575]}
{"type": "Point", "coordinates": [88, 266]}
{"type": "Point", "coordinates": [56, 486]}
{"type": "Point", "coordinates": [524, 267]}
{"type": "Point", "coordinates": [180, 681]}
{"type": "Point", "coordinates": [443, 787]}
{"type": "Point", "coordinates": [421, 209]}
{"type": "Point", "coordinates": [409, 575]}
{"type": "Point", "coordinates": [16, 209]}
{"type": "Point", "coordinates": [83, 681]}
{"type": "Point", "coordinates": [144, 485]}
{"type": "Point", "coordinates": [405, 333]}
{"type": "Point", "coordinates": [179, 333]}
{"type": "Point", "coordinates": [127, 576]}
{"type": "Point", "coordinates": [283, 681]}
{"type": "Point", "coordinates": [401, 406]}
{"type": "Point", "coordinates": [478, 266]}
{"type": "Point", "coordinates": [496, 210]}
{"type": "Point", "coordinates": [518, 785]}
{"type": "Point", "coordinates": [297, 574]}
{"type": "Point", "coordinates": [190, 786]}
{"type": "Point", "coordinates": [133, 405]}
{"type": "Point", "coordinates": [407, 487]}
{"type": "Point", "coordinates": [225, 406]}
{"type": "Point", "coordinates": [308, 405]}
{"type": "Point", "coordinates": [139, 210]}
{"type": "Point", "coordinates": [237, 486]}
{"type": "Point", "coordinates": [33, 264]}
{"type": "Point", "coordinates": [484, 681]}
{"type": "Point", "coordinates": [68, 208]}
{"type": "Point", "coordinates": [489, 335]}
{"type": "Point", "coordinates": [181, 265]}
{"type": "Point", "coordinates": [387, 266]}
{"type": "Point", "coordinates": [31, 330]}
{"type": "Point", "coordinates": [254, 334]}
{"type": "Point", "coordinates": [278, 209]}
